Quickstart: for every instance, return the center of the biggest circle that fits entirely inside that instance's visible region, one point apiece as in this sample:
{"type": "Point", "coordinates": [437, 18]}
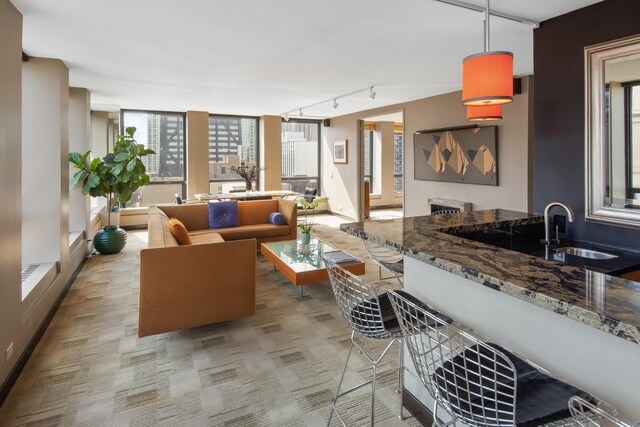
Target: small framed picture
{"type": "Point", "coordinates": [340, 152]}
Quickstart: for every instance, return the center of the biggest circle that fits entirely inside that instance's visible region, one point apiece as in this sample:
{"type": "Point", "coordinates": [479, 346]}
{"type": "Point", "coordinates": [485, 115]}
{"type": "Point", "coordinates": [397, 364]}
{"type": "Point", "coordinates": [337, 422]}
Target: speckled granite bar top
{"type": "Point", "coordinates": [565, 290]}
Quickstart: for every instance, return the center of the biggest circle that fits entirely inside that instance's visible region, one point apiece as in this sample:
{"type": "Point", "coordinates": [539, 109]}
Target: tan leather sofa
{"type": "Point", "coordinates": [253, 217]}
{"type": "Point", "coordinates": [212, 280]}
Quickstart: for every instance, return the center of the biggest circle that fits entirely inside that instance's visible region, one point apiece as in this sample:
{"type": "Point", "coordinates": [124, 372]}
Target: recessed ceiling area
{"type": "Point", "coordinates": [256, 57]}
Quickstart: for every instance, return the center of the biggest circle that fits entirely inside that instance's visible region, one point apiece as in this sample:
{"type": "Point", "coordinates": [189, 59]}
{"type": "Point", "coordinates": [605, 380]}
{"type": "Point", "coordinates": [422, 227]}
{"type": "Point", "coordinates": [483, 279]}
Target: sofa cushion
{"type": "Point", "coordinates": [210, 237]}
{"type": "Point", "coordinates": [179, 231]}
{"type": "Point", "coordinates": [223, 214]}
{"type": "Point", "coordinates": [276, 218]}
{"type": "Point", "coordinates": [256, 211]}
{"type": "Point", "coordinates": [253, 231]}
{"type": "Point", "coordinates": [194, 216]}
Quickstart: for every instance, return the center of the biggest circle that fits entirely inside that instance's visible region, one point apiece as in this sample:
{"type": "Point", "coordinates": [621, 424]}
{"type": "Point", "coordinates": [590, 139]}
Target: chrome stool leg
{"type": "Point", "coordinates": [344, 370]}
{"type": "Point", "coordinates": [401, 377]}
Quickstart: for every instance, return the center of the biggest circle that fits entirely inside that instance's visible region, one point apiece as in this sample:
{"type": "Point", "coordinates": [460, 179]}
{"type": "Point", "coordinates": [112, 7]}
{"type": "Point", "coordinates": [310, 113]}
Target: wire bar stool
{"type": "Point", "coordinates": [586, 414]}
{"type": "Point", "coordinates": [369, 315]}
{"type": "Point", "coordinates": [363, 310]}
{"type": "Point", "coordinates": [385, 258]}
{"type": "Point", "coordinates": [478, 383]}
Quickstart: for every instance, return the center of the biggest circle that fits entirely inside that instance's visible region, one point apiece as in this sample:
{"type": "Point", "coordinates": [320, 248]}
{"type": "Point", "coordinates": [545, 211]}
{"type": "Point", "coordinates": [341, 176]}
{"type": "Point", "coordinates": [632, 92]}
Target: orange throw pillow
{"type": "Point", "coordinates": [179, 231]}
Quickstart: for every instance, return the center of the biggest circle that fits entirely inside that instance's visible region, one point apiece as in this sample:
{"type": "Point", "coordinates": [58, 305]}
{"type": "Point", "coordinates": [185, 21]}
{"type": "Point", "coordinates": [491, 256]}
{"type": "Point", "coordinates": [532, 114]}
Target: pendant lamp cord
{"type": "Point", "coordinates": [486, 27]}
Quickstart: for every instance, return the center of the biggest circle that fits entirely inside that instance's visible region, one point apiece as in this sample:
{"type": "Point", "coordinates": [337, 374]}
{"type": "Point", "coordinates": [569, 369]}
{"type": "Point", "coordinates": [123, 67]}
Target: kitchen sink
{"type": "Point", "coordinates": [586, 253]}
{"type": "Point", "coordinates": [525, 238]}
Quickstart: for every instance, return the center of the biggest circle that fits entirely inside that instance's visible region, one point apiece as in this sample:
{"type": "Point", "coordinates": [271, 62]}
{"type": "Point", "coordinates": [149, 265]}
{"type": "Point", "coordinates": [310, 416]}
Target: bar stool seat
{"type": "Point", "coordinates": [539, 399]}
{"type": "Point", "coordinates": [364, 312]}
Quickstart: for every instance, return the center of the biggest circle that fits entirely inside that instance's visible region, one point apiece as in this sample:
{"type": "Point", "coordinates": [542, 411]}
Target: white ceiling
{"type": "Point", "coordinates": [260, 57]}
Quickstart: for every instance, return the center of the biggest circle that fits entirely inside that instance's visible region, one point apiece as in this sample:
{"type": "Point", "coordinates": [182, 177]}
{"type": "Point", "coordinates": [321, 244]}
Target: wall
{"type": "Point", "coordinates": [341, 182]}
{"type": "Point", "coordinates": [45, 101]}
{"type": "Point", "coordinates": [79, 141]}
{"type": "Point", "coordinates": [10, 179]}
{"type": "Point", "coordinates": [559, 129]}
{"type": "Point", "coordinates": [43, 134]}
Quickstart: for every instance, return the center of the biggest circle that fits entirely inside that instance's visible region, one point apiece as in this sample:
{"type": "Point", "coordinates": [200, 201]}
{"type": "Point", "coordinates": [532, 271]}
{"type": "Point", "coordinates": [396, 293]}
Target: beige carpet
{"type": "Point", "coordinates": [278, 368]}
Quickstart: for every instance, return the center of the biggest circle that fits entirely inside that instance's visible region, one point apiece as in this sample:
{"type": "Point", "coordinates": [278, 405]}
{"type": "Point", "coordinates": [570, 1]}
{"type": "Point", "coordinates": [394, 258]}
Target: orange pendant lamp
{"type": "Point", "coordinates": [484, 113]}
{"type": "Point", "coordinates": [487, 77]}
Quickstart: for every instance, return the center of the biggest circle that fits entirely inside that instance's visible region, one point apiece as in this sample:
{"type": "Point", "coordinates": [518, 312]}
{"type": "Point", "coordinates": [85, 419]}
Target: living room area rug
{"type": "Point", "coordinates": [277, 368]}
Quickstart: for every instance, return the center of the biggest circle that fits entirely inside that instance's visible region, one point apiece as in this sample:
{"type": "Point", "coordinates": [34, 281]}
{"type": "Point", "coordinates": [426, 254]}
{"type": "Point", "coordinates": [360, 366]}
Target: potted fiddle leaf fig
{"type": "Point", "coordinates": [307, 224]}
{"type": "Point", "coordinates": [116, 176]}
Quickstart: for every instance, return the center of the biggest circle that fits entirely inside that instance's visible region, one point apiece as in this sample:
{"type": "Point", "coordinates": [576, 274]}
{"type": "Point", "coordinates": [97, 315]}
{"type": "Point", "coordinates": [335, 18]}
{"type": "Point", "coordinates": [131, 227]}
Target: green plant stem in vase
{"type": "Point", "coordinates": [307, 224]}
{"type": "Point", "coordinates": [248, 173]}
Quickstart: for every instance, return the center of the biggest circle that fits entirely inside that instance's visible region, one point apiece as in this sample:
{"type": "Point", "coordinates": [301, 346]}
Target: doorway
{"type": "Point", "coordinates": [382, 167]}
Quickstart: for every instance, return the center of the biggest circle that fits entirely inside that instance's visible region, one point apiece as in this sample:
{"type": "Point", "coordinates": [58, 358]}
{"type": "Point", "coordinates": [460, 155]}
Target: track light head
{"type": "Point", "coordinates": [335, 104]}
{"type": "Point", "coordinates": [372, 94]}
{"type": "Point", "coordinates": [301, 113]}
{"type": "Point", "coordinates": [286, 117]}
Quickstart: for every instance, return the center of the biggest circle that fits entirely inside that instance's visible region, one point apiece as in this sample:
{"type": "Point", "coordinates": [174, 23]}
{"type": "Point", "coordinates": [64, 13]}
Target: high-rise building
{"type": "Point", "coordinates": [225, 137]}
{"type": "Point", "coordinates": [165, 136]}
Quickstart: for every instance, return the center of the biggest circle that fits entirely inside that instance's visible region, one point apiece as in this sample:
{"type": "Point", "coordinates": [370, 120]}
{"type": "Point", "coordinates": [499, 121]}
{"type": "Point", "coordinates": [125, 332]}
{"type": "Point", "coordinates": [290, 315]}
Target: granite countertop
{"type": "Point", "coordinates": [566, 290]}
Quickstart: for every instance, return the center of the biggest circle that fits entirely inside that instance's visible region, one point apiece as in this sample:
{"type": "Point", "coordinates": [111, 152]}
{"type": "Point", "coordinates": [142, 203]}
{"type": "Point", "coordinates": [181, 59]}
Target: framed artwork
{"type": "Point", "coordinates": [466, 155]}
{"type": "Point", "coordinates": [340, 152]}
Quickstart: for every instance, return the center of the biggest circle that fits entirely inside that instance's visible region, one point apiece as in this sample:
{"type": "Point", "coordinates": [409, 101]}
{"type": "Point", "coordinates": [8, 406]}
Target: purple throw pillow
{"type": "Point", "coordinates": [223, 214]}
{"type": "Point", "coordinates": [276, 218]}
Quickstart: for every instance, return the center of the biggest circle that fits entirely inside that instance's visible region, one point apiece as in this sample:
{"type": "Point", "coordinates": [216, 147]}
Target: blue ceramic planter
{"type": "Point", "coordinates": [110, 240]}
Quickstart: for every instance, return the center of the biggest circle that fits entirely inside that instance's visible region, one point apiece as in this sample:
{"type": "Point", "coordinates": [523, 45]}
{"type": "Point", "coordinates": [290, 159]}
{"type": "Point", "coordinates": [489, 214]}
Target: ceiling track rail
{"type": "Point", "coordinates": [532, 23]}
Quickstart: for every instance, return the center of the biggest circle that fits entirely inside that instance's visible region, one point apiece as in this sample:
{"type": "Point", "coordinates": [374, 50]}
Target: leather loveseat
{"type": "Point", "coordinates": [213, 279]}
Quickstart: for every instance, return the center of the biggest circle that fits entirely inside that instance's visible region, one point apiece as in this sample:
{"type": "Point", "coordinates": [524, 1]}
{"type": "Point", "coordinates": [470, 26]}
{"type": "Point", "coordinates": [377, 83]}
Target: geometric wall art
{"type": "Point", "coordinates": [467, 155]}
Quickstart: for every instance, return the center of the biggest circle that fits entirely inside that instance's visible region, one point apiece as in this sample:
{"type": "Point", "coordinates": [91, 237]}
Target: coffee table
{"type": "Point", "coordinates": [300, 268]}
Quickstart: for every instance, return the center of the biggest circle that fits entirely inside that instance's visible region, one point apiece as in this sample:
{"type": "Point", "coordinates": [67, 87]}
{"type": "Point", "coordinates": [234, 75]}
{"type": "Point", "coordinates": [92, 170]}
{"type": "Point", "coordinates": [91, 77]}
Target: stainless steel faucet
{"type": "Point", "coordinates": [547, 227]}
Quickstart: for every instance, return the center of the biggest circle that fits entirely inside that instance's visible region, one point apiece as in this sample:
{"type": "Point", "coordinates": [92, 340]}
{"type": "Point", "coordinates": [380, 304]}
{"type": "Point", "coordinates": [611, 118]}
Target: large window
{"type": "Point", "coordinates": [232, 140]}
{"type": "Point", "coordinates": [300, 155]}
{"type": "Point", "coordinates": [163, 133]}
{"type": "Point", "coordinates": [632, 136]}
{"type": "Point", "coordinates": [398, 143]}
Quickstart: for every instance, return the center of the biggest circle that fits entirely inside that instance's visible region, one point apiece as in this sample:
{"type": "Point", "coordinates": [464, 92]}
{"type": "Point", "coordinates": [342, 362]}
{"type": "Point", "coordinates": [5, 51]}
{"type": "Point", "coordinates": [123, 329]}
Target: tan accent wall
{"type": "Point", "coordinates": [271, 152]}
{"type": "Point", "coordinates": [197, 153]}
{"type": "Point", "coordinates": [10, 181]}
{"type": "Point", "coordinates": [341, 183]}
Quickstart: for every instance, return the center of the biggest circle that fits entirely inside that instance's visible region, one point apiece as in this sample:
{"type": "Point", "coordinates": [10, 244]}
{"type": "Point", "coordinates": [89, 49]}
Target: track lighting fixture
{"type": "Point", "coordinates": [333, 100]}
